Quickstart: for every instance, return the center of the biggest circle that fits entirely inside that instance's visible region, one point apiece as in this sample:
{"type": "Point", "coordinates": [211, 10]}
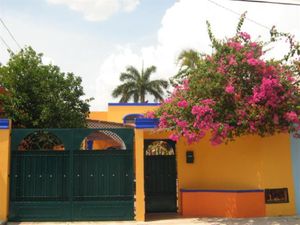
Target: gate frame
{"type": "Point", "coordinates": [138, 161]}
{"type": "Point", "coordinates": [172, 144]}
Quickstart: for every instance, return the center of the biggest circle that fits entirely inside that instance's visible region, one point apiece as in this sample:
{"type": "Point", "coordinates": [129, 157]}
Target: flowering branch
{"type": "Point", "coordinates": [234, 91]}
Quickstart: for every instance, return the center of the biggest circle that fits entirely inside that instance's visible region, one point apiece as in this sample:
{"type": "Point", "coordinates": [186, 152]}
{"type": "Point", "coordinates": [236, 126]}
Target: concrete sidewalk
{"type": "Point", "coordinates": [293, 220]}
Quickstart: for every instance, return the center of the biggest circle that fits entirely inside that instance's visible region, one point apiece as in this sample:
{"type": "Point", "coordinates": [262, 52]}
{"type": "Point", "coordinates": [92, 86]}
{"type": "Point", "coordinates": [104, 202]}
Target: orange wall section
{"type": "Point", "coordinates": [116, 113]}
{"type": "Point", "coordinates": [139, 175]}
{"type": "Point", "coordinates": [103, 144]}
{"type": "Point", "coordinates": [223, 204]}
{"type": "Point", "coordinates": [98, 115]}
{"type": "Point", "coordinates": [250, 162]}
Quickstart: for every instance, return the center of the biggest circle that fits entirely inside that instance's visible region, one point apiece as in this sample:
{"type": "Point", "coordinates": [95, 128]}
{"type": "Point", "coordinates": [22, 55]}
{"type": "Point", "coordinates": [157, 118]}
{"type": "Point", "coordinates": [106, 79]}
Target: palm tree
{"type": "Point", "coordinates": [188, 61]}
{"type": "Point", "coordinates": [137, 85]}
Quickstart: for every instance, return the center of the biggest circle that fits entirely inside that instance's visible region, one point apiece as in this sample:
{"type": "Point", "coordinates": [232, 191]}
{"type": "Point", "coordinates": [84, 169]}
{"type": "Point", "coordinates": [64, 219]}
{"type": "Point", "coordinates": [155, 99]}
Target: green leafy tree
{"type": "Point", "coordinates": [41, 96]}
{"type": "Point", "coordinates": [137, 85]}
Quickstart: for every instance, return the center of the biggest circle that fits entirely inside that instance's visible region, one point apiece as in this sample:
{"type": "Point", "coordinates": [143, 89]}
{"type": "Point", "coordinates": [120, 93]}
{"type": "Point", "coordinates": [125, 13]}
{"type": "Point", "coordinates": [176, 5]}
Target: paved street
{"type": "Point", "coordinates": [185, 221]}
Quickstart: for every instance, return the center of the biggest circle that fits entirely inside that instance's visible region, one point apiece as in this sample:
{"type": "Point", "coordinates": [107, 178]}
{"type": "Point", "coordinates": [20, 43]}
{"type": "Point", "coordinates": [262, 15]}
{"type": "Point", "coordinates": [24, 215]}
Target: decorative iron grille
{"type": "Point", "coordinates": [41, 140]}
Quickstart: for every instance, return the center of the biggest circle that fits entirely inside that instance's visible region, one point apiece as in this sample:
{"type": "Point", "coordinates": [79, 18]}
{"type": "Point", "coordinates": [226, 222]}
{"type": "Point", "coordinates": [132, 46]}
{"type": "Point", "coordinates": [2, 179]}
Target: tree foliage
{"type": "Point", "coordinates": [137, 85]}
{"type": "Point", "coordinates": [234, 91]}
{"type": "Point", "coordinates": [41, 96]}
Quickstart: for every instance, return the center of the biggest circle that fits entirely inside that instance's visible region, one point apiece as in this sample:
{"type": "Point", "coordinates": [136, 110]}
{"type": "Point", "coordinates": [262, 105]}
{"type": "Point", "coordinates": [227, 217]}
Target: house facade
{"type": "Point", "coordinates": [249, 177]}
{"type": "Point", "coordinates": [254, 168]}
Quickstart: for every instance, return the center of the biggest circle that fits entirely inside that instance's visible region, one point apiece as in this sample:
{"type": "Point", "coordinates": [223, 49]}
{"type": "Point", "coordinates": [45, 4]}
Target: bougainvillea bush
{"type": "Point", "coordinates": [235, 91]}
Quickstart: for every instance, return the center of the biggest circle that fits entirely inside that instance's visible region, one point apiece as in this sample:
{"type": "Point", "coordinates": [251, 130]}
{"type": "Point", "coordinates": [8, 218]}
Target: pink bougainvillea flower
{"type": "Point", "coordinates": [182, 104]}
{"type": "Point", "coordinates": [253, 44]}
{"type": "Point", "coordinates": [174, 137]}
{"type": "Point", "coordinates": [185, 84]}
{"type": "Point", "coordinates": [208, 101]}
{"type": "Point", "coordinates": [234, 91]}
{"type": "Point", "coordinates": [150, 114]}
{"type": "Point", "coordinates": [229, 89]}
{"type": "Point", "coordinates": [235, 45]}
{"type": "Point", "coordinates": [245, 35]}
{"type": "Point", "coordinates": [276, 119]}
{"type": "Point", "coordinates": [217, 140]}
{"type": "Point", "coordinates": [193, 137]}
{"type": "Point", "coordinates": [292, 117]}
{"type": "Point", "coordinates": [221, 69]}
{"type": "Point", "coordinates": [253, 61]}
{"type": "Point", "coordinates": [232, 61]}
{"type": "Point", "coordinates": [249, 55]}
{"type": "Point", "coordinates": [182, 123]}
{"type": "Point", "coordinates": [252, 126]}
{"type": "Point", "coordinates": [168, 100]}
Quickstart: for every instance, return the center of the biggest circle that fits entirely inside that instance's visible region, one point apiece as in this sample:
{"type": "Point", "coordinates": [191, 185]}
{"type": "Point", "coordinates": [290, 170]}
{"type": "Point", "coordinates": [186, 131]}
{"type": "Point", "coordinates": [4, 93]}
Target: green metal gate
{"type": "Point", "coordinates": [160, 180]}
{"type": "Point", "coordinates": [73, 184]}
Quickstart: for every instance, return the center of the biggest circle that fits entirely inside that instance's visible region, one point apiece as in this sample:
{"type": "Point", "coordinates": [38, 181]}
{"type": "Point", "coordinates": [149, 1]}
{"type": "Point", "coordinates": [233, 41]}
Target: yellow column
{"type": "Point", "coordinates": [139, 175]}
{"type": "Point", "coordinates": [4, 171]}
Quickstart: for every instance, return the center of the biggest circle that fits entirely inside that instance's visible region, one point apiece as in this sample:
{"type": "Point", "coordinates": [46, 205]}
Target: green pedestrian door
{"type": "Point", "coordinates": [160, 176]}
{"type": "Point", "coordinates": [55, 176]}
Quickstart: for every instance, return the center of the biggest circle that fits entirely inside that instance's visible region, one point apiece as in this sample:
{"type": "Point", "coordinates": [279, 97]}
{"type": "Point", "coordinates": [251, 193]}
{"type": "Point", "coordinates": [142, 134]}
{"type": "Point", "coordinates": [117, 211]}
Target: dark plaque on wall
{"type": "Point", "coordinates": [276, 195]}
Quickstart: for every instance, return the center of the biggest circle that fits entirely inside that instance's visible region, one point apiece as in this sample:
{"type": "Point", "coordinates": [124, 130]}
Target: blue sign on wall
{"type": "Point", "coordinates": [4, 124]}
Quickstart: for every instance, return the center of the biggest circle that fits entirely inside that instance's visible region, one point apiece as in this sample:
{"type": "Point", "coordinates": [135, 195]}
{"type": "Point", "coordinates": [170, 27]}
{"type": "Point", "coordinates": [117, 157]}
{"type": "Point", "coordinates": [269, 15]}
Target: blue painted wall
{"type": "Point", "coordinates": [295, 147]}
{"type": "Point", "coordinates": [4, 123]}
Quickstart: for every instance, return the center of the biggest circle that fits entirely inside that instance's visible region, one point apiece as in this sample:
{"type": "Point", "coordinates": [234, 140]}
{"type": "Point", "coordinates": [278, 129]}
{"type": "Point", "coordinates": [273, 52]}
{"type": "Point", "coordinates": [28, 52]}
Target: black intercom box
{"type": "Point", "coordinates": [189, 157]}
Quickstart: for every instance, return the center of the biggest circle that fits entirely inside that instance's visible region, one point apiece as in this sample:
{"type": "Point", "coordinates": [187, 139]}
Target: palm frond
{"type": "Point", "coordinates": [127, 76]}
{"type": "Point", "coordinates": [136, 85]}
{"type": "Point", "coordinates": [117, 91]}
{"type": "Point", "coordinates": [159, 83]}
{"type": "Point", "coordinates": [121, 89]}
{"type": "Point", "coordinates": [128, 95]}
{"type": "Point", "coordinates": [136, 97]}
{"type": "Point", "coordinates": [188, 58]}
{"type": "Point", "coordinates": [150, 70]}
{"type": "Point", "coordinates": [157, 95]}
{"type": "Point", "coordinates": [134, 72]}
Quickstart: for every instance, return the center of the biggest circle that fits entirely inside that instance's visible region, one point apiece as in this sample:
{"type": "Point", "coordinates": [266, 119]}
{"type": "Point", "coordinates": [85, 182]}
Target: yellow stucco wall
{"type": "Point", "coordinates": [139, 175]}
{"type": "Point", "coordinates": [4, 173]}
{"type": "Point", "coordinates": [116, 113]}
{"type": "Point", "coordinates": [248, 163]}
{"type": "Point", "coordinates": [98, 115]}
{"type": "Point", "coordinates": [103, 144]}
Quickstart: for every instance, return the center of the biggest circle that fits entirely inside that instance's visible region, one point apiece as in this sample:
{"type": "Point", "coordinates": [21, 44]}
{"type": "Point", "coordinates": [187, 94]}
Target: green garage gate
{"type": "Point", "coordinates": [70, 183]}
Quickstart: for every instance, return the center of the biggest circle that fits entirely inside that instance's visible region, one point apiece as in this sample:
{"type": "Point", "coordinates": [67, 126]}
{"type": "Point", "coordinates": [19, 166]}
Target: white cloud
{"type": "Point", "coordinates": [98, 10]}
{"type": "Point", "coordinates": [184, 26]}
{"type": "Point", "coordinates": [129, 5]}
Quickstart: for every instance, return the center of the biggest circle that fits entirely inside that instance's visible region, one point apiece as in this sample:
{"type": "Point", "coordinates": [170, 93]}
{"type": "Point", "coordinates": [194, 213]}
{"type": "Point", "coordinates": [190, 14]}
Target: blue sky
{"type": "Point", "coordinates": [97, 39]}
{"type": "Point", "coordinates": [138, 26]}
